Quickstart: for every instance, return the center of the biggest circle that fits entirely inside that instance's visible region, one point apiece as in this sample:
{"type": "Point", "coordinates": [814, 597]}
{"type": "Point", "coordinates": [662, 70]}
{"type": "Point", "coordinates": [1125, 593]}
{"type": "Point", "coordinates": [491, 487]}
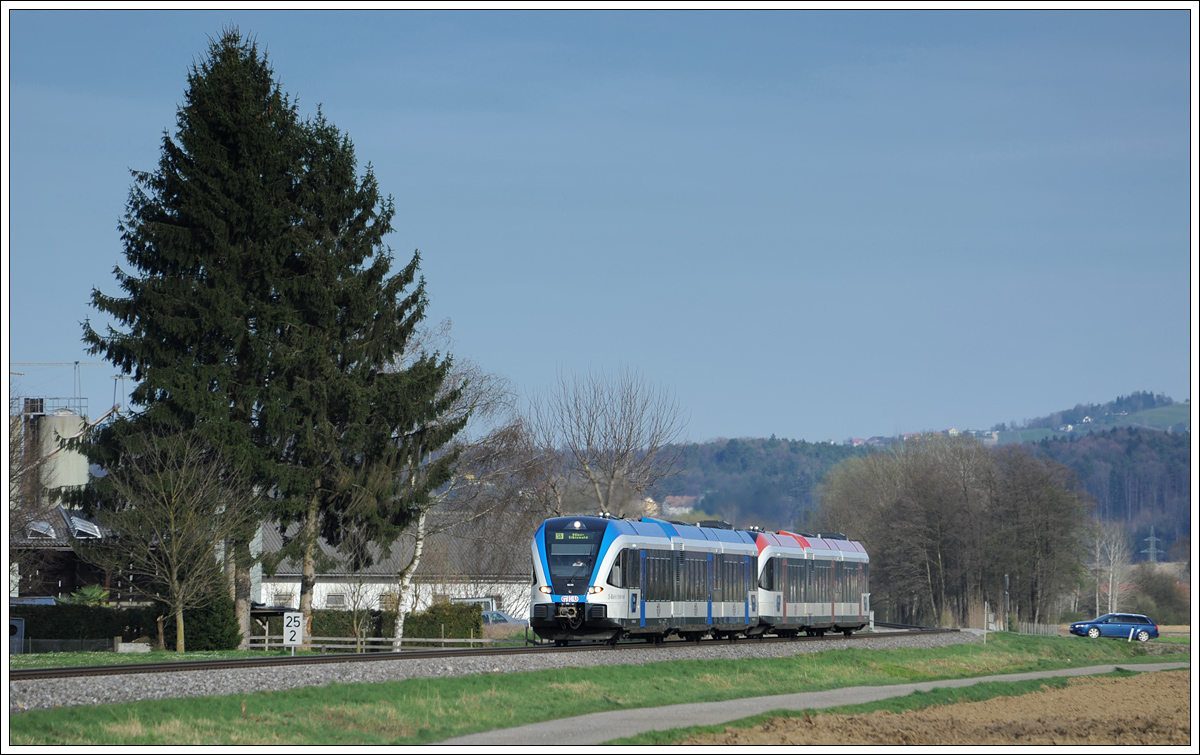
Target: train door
{"type": "Point", "coordinates": [708, 588]}
{"type": "Point", "coordinates": [783, 582]}
{"type": "Point", "coordinates": [640, 611]}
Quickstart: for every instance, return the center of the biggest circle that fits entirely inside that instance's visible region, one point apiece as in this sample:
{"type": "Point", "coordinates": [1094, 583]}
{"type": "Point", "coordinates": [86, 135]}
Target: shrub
{"type": "Point", "coordinates": [212, 627]}
{"type": "Point", "coordinates": [1158, 596]}
{"type": "Point", "coordinates": [461, 621]}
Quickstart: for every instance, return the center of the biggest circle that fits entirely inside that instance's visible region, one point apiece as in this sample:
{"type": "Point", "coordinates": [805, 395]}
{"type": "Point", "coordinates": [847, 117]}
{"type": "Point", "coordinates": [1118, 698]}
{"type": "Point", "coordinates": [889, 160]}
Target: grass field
{"type": "Point", "coordinates": [424, 711]}
{"type": "Point", "coordinates": [48, 660]}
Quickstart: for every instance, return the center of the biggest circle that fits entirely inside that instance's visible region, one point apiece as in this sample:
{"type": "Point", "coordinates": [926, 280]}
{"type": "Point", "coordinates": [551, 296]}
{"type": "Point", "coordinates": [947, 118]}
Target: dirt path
{"type": "Point", "coordinates": [1148, 709]}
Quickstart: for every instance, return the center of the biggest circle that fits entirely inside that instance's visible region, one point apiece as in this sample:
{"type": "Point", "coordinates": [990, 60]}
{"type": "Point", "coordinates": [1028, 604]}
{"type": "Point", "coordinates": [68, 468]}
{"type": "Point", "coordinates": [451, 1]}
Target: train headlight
{"type": "Point", "coordinates": [595, 589]}
{"type": "Point", "coordinates": [545, 589]}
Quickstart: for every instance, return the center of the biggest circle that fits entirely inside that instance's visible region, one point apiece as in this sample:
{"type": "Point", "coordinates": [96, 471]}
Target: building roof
{"type": "Point", "coordinates": [55, 527]}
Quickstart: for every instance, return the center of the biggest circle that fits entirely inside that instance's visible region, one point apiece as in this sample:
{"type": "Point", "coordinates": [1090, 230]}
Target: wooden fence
{"type": "Point", "coordinates": [1042, 630]}
{"type": "Point", "coordinates": [370, 644]}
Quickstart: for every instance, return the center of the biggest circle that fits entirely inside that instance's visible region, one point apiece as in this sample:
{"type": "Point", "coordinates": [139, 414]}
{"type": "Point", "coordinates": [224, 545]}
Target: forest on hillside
{"type": "Point", "coordinates": [1136, 477]}
{"type": "Point", "coordinates": [767, 482]}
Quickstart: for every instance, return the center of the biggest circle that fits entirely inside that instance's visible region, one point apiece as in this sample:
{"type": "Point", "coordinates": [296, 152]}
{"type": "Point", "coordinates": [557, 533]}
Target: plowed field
{"type": "Point", "coordinates": [1147, 709]}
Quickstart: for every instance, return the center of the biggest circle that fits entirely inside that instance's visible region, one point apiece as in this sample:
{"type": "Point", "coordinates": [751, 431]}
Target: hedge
{"type": "Point", "coordinates": [213, 627]}
{"type": "Point", "coordinates": [461, 620]}
{"type": "Point", "coordinates": [74, 622]}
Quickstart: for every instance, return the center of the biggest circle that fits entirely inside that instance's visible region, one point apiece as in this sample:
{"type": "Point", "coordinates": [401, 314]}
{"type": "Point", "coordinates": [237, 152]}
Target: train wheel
{"type": "Point", "coordinates": [560, 643]}
{"type": "Point", "coordinates": [847, 632]}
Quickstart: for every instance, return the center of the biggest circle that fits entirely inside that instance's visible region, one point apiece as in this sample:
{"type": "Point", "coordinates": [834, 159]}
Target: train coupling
{"type": "Point", "coordinates": [567, 611]}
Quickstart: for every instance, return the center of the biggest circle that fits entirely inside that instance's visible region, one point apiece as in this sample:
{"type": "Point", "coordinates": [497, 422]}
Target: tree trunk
{"type": "Point", "coordinates": [241, 602]}
{"type": "Point", "coordinates": [230, 567]}
{"type": "Point", "coordinates": [308, 568]}
{"type": "Point", "coordinates": [405, 578]}
{"type": "Point", "coordinates": [179, 629]}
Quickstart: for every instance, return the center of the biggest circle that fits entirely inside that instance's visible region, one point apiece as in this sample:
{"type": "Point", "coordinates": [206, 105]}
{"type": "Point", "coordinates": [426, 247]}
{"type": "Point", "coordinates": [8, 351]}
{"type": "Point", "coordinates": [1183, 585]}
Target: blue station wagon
{"type": "Point", "coordinates": [1123, 625]}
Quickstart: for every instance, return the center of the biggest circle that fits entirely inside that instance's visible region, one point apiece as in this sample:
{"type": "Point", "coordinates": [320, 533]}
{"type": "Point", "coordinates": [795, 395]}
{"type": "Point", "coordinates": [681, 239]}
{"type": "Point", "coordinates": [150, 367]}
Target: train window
{"type": "Point", "coordinates": [633, 568]}
{"type": "Point", "coordinates": [571, 555]}
{"type": "Point", "coordinates": [767, 581]}
{"type": "Point", "coordinates": [616, 576]}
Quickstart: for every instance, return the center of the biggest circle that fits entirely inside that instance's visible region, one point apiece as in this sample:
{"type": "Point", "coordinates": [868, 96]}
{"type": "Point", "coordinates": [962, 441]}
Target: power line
{"type": "Point", "coordinates": [57, 364]}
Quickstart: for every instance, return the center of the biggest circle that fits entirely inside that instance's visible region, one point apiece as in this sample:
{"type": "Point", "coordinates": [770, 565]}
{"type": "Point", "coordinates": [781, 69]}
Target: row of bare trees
{"type": "Point", "coordinates": [596, 442]}
{"type": "Point", "coordinates": [947, 520]}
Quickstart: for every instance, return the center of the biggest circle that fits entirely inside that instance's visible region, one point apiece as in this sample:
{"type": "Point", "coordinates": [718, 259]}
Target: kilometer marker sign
{"type": "Point", "coordinates": [293, 630]}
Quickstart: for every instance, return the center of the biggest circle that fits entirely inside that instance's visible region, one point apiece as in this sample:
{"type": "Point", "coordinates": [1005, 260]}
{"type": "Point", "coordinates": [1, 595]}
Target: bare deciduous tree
{"type": "Point", "coordinates": [484, 481]}
{"type": "Point", "coordinates": [1111, 552]}
{"type": "Point", "coordinates": [490, 463]}
{"type": "Point", "coordinates": [170, 506]}
{"type": "Point", "coordinates": [618, 436]}
{"type": "Point", "coordinates": [946, 519]}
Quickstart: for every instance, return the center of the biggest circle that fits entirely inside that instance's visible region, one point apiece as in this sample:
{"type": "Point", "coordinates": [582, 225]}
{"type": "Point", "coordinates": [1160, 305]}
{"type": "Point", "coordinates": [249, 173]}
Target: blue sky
{"type": "Point", "coordinates": [813, 224]}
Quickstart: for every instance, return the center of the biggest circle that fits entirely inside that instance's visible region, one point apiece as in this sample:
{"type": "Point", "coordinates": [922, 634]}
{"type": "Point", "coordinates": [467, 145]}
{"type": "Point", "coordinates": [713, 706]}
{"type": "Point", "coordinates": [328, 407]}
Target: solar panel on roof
{"type": "Point", "coordinates": [40, 529]}
{"type": "Point", "coordinates": [83, 528]}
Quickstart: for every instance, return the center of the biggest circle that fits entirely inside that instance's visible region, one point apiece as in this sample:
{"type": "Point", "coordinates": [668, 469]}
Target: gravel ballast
{"type": "Point", "coordinates": [54, 693]}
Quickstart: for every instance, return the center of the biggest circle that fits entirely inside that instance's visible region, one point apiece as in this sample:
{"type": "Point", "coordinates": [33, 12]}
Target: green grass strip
{"type": "Point", "coordinates": [425, 711]}
{"type": "Point", "coordinates": [56, 660]}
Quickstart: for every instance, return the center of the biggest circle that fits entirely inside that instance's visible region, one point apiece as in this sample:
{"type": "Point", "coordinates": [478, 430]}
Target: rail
{"type": "Point", "coordinates": [366, 644]}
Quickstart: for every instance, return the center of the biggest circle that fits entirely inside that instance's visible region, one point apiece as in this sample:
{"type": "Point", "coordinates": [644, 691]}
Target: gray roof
{"type": "Point", "coordinates": [54, 528]}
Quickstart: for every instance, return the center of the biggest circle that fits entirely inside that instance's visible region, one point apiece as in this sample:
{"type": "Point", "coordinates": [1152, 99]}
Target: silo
{"type": "Point", "coordinates": [64, 467]}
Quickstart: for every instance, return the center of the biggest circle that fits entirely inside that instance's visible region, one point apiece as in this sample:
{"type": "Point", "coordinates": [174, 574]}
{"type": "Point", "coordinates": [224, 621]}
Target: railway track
{"type": "Point", "coordinates": [439, 653]}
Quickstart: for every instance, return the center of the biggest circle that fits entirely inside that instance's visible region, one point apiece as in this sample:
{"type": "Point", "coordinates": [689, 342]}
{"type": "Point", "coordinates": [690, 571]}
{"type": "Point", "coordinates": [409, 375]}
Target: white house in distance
{"type": "Point", "coordinates": [476, 562]}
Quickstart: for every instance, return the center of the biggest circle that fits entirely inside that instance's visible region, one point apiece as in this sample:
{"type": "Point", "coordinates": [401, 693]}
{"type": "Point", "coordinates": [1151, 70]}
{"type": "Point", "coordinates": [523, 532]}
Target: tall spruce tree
{"type": "Point", "coordinates": [259, 309]}
{"type": "Point", "coordinates": [205, 237]}
{"type": "Point", "coordinates": [355, 436]}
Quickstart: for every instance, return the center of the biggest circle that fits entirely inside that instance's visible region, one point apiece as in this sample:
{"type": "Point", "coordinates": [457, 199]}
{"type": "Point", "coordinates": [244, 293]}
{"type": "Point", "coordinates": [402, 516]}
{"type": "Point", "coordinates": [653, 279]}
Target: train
{"type": "Point", "coordinates": [604, 579]}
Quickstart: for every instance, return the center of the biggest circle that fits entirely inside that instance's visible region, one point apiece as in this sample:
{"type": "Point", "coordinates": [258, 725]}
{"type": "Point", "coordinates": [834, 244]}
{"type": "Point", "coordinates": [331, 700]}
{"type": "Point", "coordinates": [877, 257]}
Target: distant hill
{"type": "Point", "coordinates": [1140, 409]}
{"type": "Point", "coordinates": [756, 481]}
{"type": "Point", "coordinates": [1131, 454]}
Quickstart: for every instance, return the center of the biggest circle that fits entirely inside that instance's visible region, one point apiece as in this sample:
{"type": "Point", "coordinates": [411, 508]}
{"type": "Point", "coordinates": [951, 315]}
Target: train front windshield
{"type": "Point", "coordinates": [571, 554]}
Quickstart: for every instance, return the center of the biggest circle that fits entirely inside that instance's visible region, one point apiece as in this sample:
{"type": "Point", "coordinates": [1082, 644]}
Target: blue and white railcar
{"type": "Point", "coordinates": [597, 578]}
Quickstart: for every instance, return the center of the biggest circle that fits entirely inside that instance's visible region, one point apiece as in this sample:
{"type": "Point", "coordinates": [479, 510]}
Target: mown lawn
{"type": "Point", "coordinates": [424, 711]}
